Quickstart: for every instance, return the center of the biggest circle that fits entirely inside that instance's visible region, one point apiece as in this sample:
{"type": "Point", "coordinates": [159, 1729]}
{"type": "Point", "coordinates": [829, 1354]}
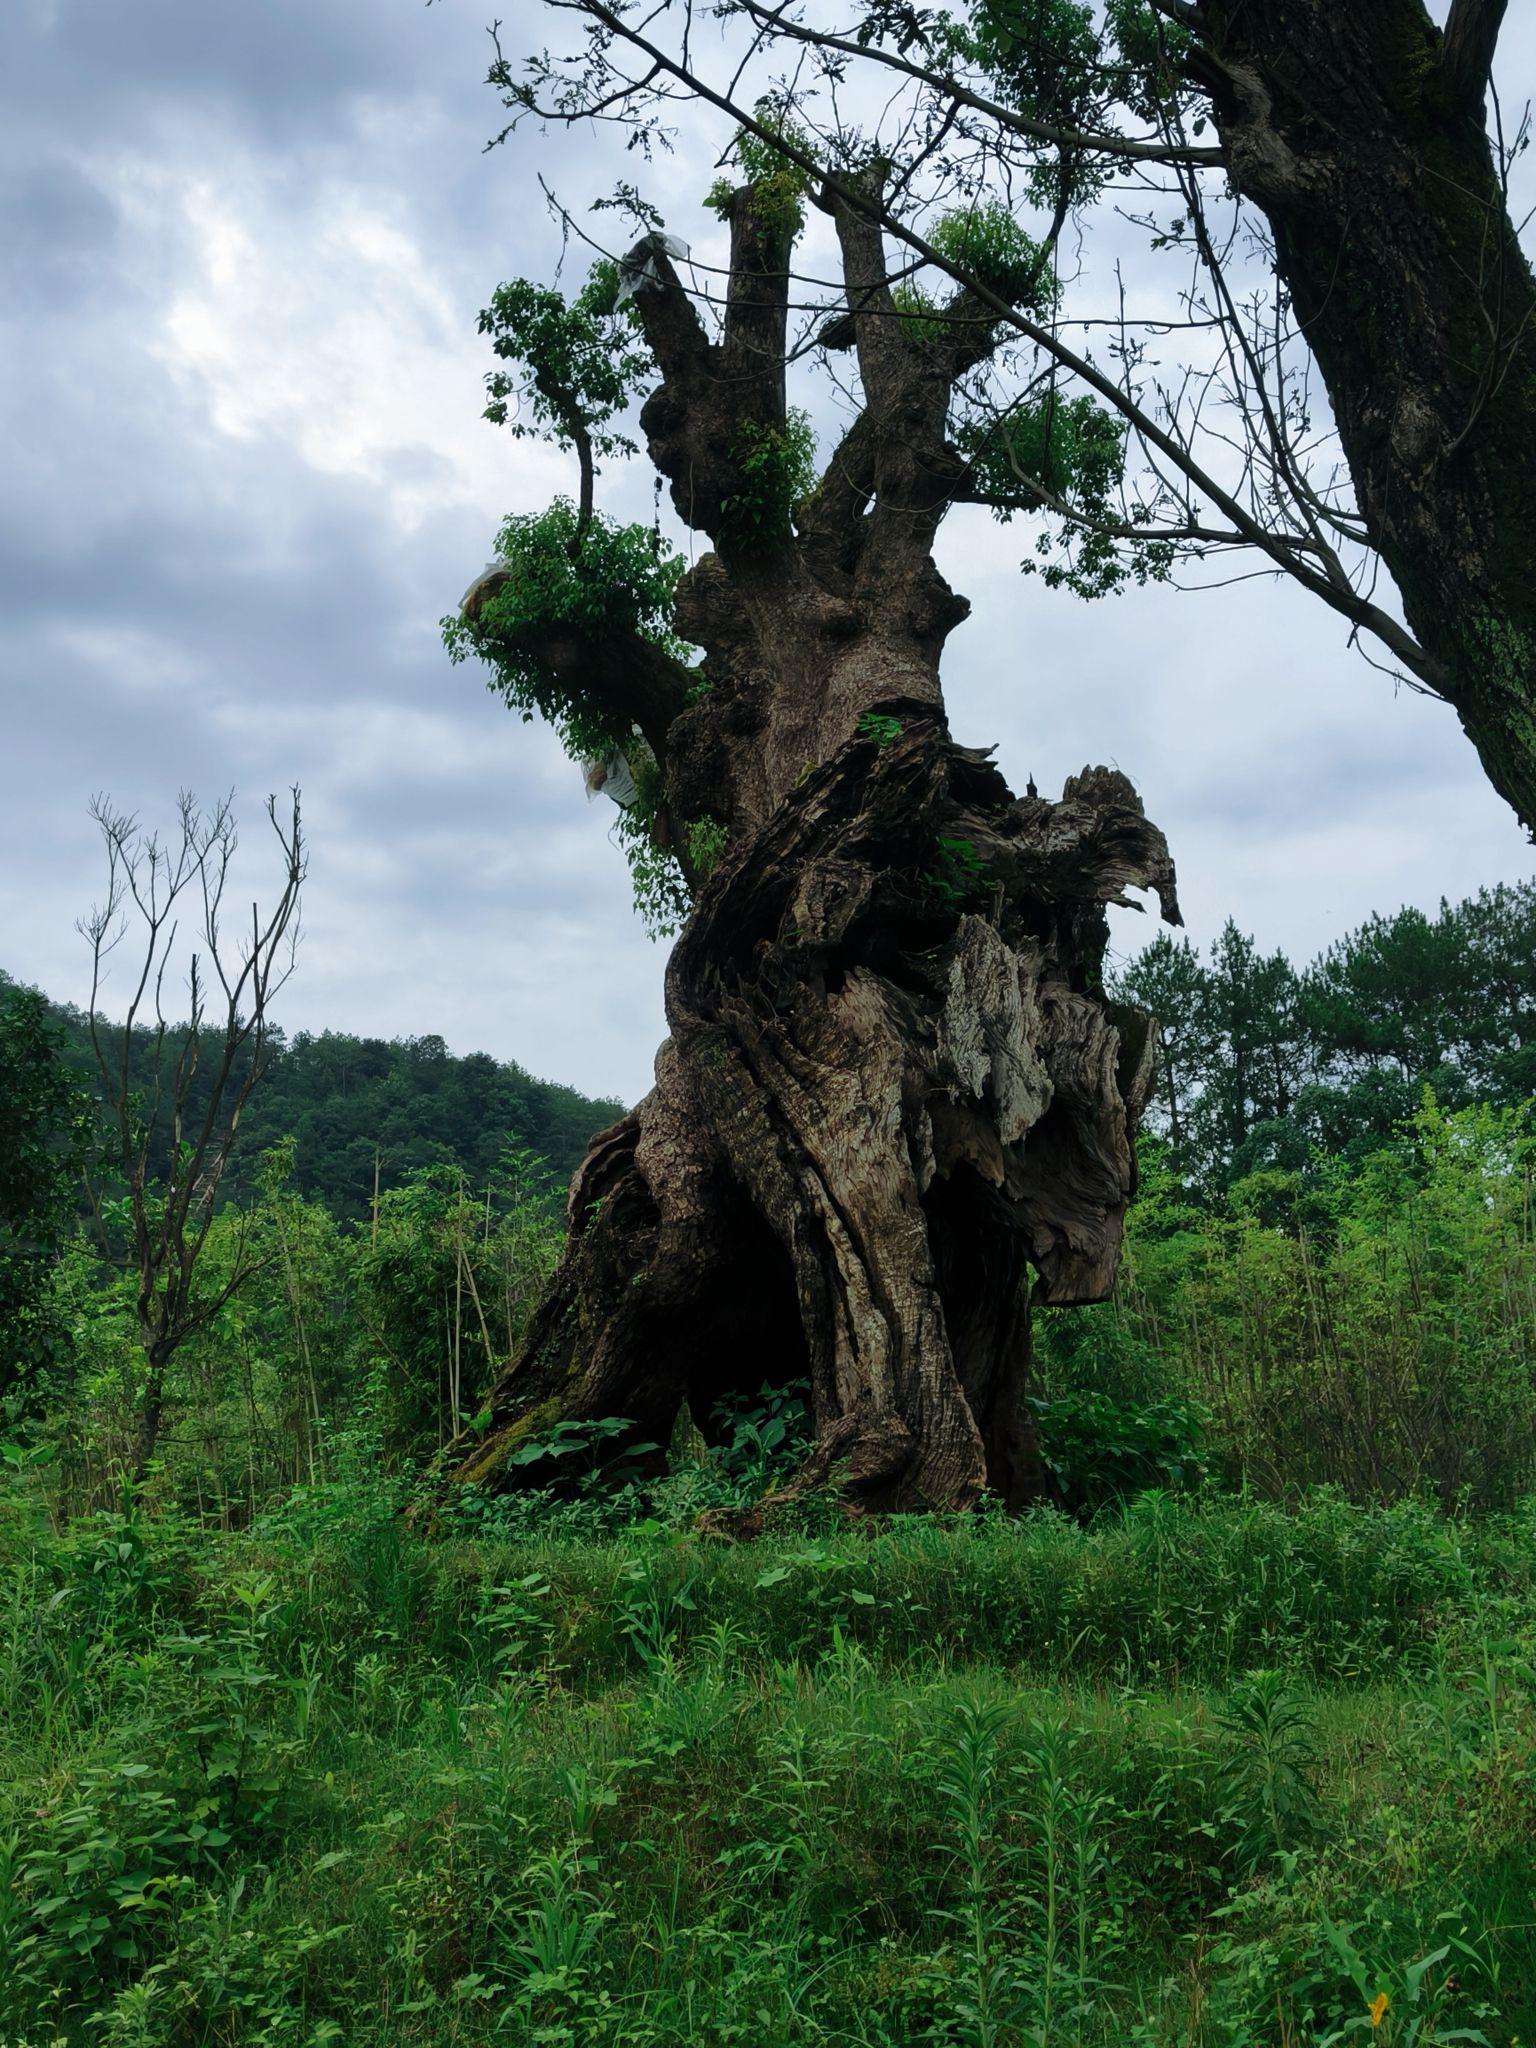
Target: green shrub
{"type": "Point", "coordinates": [1100, 1449]}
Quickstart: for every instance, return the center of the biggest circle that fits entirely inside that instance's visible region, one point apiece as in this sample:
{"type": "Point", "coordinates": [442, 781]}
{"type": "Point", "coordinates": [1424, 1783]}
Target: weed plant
{"type": "Point", "coordinates": [1202, 1771]}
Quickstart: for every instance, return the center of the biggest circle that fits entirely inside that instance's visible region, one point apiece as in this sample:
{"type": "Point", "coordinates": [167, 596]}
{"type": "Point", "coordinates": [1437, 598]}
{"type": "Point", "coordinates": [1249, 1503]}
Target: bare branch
{"type": "Point", "coordinates": [172, 1199]}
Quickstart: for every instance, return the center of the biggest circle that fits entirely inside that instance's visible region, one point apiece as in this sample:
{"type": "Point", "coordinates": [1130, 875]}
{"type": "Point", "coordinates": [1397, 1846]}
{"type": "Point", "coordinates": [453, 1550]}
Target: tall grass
{"type": "Point", "coordinates": [1202, 1772]}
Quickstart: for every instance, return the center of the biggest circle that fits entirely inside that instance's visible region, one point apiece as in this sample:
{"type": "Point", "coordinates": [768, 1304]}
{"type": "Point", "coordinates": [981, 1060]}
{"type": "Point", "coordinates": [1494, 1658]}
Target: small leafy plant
{"type": "Point", "coordinates": [958, 879]}
{"type": "Point", "coordinates": [775, 468]}
{"type": "Point", "coordinates": [707, 841]}
{"type": "Point", "coordinates": [880, 727]}
{"type": "Point", "coordinates": [1268, 1779]}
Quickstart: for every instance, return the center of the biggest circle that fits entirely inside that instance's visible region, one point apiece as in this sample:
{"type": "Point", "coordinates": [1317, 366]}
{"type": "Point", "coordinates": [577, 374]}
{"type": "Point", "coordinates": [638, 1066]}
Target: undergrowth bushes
{"type": "Point", "coordinates": [1201, 1771]}
{"type": "Point", "coordinates": [1367, 1323]}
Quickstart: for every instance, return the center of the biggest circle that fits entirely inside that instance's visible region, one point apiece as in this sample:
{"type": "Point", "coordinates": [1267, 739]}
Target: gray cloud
{"type": "Point", "coordinates": [94, 67]}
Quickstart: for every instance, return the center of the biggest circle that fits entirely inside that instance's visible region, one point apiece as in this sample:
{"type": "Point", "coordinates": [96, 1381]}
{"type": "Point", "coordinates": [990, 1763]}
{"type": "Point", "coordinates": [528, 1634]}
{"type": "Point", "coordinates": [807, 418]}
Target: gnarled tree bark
{"type": "Point", "coordinates": [895, 1103]}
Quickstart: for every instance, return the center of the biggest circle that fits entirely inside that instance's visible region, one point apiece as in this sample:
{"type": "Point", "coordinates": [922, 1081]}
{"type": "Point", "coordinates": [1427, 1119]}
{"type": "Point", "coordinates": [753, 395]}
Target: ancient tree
{"type": "Point", "coordinates": [895, 1106]}
{"type": "Point", "coordinates": [1349, 382]}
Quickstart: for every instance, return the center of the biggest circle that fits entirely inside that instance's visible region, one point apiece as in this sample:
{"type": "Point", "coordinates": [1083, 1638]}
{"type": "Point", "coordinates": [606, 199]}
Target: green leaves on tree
{"type": "Point", "coordinates": [776, 467]}
{"type": "Point", "coordinates": [594, 585]}
{"type": "Point", "coordinates": [1054, 62]}
{"type": "Point", "coordinates": [572, 366]}
{"type": "Point", "coordinates": [880, 727]}
{"type": "Point", "coordinates": [44, 1123]}
{"type": "Point", "coordinates": [959, 878]}
{"type": "Point", "coordinates": [779, 188]}
{"type": "Point", "coordinates": [621, 580]}
{"type": "Point", "coordinates": [707, 841]}
{"type": "Point", "coordinates": [661, 893]}
{"type": "Point", "coordinates": [1064, 454]}
{"type": "Point", "coordinates": [987, 241]}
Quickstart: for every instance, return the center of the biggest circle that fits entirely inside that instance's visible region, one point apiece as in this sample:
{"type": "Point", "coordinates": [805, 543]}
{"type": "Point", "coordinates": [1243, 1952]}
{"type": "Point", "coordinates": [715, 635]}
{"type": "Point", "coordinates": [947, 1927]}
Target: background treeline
{"type": "Point", "coordinates": [1331, 1270]}
{"type": "Point", "coordinates": [414, 1104]}
{"type": "Point", "coordinates": [387, 1216]}
{"type": "Point", "coordinates": [348, 1102]}
{"type": "Point", "coordinates": [1330, 1274]}
{"type": "Point", "coordinates": [1270, 1066]}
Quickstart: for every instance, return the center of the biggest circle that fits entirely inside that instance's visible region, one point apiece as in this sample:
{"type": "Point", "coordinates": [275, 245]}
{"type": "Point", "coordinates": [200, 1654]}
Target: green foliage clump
{"type": "Point", "coordinates": [779, 188]}
{"type": "Point", "coordinates": [1068, 452]}
{"type": "Point", "coordinates": [1269, 1777]}
{"type": "Point", "coordinates": [1100, 1447]}
{"type": "Point", "coordinates": [574, 366]}
{"type": "Point", "coordinates": [986, 240]}
{"type": "Point", "coordinates": [662, 898]}
{"type": "Point", "coordinates": [1058, 63]}
{"type": "Point", "coordinates": [374, 1342]}
{"type": "Point", "coordinates": [1043, 51]}
{"type": "Point", "coordinates": [444, 1286]}
{"type": "Point", "coordinates": [614, 580]}
{"type": "Point", "coordinates": [661, 894]}
{"type": "Point", "coordinates": [959, 878]}
{"type": "Point", "coordinates": [596, 581]}
{"type": "Point", "coordinates": [1069, 447]}
{"type": "Point", "coordinates": [1327, 1324]}
{"type": "Point", "coordinates": [44, 1120]}
{"type": "Point", "coordinates": [707, 841]}
{"type": "Point", "coordinates": [1046, 59]}
{"type": "Point", "coordinates": [45, 1133]}
{"type": "Point", "coordinates": [918, 315]}
{"type": "Point", "coordinates": [880, 727]}
{"type": "Point", "coordinates": [775, 468]}
{"type": "Point", "coordinates": [1152, 52]}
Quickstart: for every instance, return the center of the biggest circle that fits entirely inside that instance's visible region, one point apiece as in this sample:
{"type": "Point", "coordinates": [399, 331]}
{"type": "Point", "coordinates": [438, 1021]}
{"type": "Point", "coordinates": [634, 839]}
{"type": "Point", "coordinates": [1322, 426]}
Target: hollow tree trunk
{"type": "Point", "coordinates": [888, 1095]}
{"type": "Point", "coordinates": [1359, 131]}
{"type": "Point", "coordinates": [894, 1102]}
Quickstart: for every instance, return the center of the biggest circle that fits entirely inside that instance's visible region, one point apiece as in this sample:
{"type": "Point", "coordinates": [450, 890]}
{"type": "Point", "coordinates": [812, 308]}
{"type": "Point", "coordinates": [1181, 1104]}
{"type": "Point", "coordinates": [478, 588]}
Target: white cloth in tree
{"type": "Point", "coordinates": [613, 776]}
{"type": "Point", "coordinates": [638, 271]}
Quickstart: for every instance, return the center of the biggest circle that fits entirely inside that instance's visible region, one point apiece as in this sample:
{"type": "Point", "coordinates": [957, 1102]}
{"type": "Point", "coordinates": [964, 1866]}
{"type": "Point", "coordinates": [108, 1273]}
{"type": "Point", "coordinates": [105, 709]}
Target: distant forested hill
{"type": "Point", "coordinates": [419, 1105]}
{"type": "Point", "coordinates": [409, 1100]}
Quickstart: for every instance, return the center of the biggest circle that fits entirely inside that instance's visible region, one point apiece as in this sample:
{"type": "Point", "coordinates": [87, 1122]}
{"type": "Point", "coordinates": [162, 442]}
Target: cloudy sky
{"type": "Point", "coordinates": [241, 256]}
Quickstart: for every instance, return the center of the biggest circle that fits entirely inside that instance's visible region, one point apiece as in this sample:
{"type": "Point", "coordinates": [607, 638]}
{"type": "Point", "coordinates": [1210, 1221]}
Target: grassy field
{"type": "Point", "coordinates": [1204, 1772]}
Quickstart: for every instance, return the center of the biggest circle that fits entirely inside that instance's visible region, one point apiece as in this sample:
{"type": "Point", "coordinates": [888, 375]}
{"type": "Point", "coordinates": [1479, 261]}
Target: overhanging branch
{"type": "Point", "coordinates": [1093, 142]}
{"type": "Point", "coordinates": [627, 679]}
